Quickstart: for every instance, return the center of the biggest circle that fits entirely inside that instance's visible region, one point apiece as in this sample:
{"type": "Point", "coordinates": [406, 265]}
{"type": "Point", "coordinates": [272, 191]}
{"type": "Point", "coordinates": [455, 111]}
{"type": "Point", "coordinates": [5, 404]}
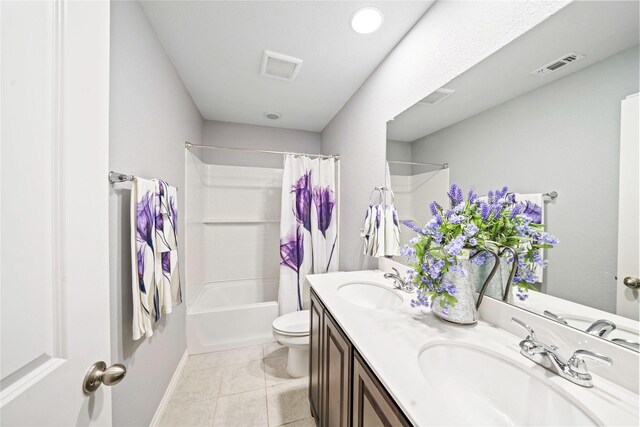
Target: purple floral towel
{"type": "Point", "coordinates": [154, 249]}
{"type": "Point", "coordinates": [146, 299]}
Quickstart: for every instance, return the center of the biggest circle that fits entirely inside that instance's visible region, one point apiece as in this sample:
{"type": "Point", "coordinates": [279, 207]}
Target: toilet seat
{"type": "Point", "coordinates": [294, 324]}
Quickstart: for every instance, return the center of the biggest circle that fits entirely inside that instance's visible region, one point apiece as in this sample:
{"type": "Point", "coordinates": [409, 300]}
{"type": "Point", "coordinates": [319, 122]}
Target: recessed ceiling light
{"type": "Point", "coordinates": [272, 115]}
{"type": "Point", "coordinates": [366, 20]}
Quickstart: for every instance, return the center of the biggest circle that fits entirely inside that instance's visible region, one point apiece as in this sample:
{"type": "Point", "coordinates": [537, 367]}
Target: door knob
{"type": "Point", "coordinates": [632, 282]}
{"type": "Point", "coordinates": [99, 374]}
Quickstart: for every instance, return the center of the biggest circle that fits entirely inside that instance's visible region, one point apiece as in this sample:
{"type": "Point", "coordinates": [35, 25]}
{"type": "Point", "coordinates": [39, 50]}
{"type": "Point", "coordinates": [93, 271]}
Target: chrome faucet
{"type": "Point", "coordinates": [601, 328]}
{"type": "Point", "coordinates": [574, 369]}
{"type": "Point", "coordinates": [399, 282]}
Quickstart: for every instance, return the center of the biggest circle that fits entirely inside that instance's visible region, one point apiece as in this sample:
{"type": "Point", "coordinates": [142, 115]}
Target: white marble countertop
{"type": "Point", "coordinates": [390, 342]}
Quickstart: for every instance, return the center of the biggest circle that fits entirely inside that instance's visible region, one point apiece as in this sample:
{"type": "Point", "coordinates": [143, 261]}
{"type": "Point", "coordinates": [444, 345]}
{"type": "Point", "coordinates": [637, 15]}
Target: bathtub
{"type": "Point", "coordinates": [232, 314]}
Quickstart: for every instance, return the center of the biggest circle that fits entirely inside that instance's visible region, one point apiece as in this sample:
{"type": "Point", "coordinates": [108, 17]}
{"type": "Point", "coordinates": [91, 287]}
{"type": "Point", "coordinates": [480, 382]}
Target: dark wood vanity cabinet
{"type": "Point", "coordinates": [343, 391]}
{"type": "Point", "coordinates": [372, 406]}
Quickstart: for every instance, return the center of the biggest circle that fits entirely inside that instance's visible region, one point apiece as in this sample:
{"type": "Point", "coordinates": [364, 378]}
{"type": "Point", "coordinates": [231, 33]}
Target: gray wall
{"type": "Point", "coordinates": [449, 39]}
{"type": "Point", "coordinates": [399, 150]}
{"type": "Point", "coordinates": [151, 115]}
{"type": "Point", "coordinates": [251, 136]}
{"type": "Point", "coordinates": [564, 137]}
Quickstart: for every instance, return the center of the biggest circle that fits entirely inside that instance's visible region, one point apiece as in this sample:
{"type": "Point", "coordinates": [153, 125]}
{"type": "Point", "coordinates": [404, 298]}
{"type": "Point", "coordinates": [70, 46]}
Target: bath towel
{"type": "Point", "coordinates": [534, 208]}
{"type": "Point", "coordinates": [145, 295]}
{"type": "Point", "coordinates": [167, 273]}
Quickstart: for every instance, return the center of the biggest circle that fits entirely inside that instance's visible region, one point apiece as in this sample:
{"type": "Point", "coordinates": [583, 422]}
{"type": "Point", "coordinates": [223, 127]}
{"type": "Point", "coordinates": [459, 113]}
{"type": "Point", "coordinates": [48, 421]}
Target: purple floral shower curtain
{"type": "Point", "coordinates": [308, 226]}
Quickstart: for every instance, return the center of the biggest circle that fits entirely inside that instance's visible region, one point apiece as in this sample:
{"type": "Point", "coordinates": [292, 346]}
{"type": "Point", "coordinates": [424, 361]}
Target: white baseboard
{"type": "Point", "coordinates": [167, 394]}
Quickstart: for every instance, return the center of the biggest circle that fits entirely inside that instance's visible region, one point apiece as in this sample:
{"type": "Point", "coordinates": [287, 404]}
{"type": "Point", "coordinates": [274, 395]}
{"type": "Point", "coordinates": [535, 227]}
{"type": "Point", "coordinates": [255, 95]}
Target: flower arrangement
{"type": "Point", "coordinates": [464, 231]}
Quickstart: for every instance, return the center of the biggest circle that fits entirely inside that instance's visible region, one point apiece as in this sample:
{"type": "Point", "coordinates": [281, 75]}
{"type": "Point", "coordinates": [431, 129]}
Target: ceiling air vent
{"type": "Point", "coordinates": [552, 66]}
{"type": "Point", "coordinates": [279, 66]}
{"type": "Point", "coordinates": [436, 96]}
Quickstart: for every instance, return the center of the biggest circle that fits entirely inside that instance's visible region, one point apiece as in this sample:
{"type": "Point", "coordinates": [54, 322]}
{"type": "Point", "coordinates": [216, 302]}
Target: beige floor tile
{"type": "Point", "coordinates": [237, 355]}
{"type": "Point", "coordinates": [288, 402]}
{"type": "Point", "coordinates": [196, 385]}
{"type": "Point", "coordinates": [273, 349]}
{"type": "Point", "coordinates": [275, 370]}
{"type": "Point", "coordinates": [242, 377]}
{"type": "Point", "coordinates": [243, 409]}
{"type": "Point", "coordinates": [193, 414]}
{"type": "Point", "coordinates": [307, 422]}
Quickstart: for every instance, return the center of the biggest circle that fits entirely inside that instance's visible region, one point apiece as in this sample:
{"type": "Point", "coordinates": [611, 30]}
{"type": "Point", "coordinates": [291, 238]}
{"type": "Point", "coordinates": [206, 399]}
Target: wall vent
{"type": "Point", "coordinates": [555, 65]}
{"type": "Point", "coordinates": [436, 96]}
{"type": "Point", "coordinates": [279, 66]}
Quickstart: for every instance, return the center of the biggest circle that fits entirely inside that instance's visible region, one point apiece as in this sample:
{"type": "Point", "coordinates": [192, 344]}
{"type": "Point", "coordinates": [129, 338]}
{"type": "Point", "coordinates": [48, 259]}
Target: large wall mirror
{"type": "Point", "coordinates": [544, 116]}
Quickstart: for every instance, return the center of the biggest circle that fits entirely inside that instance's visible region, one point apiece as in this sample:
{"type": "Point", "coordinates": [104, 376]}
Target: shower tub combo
{"type": "Point", "coordinates": [230, 314]}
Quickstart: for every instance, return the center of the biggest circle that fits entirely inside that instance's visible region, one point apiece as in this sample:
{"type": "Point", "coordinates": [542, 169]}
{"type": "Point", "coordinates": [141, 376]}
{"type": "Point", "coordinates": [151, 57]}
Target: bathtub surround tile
{"type": "Point", "coordinates": [242, 377]}
{"type": "Point", "coordinates": [288, 402]}
{"type": "Point", "coordinates": [273, 349]}
{"type": "Point", "coordinates": [189, 414]}
{"type": "Point", "coordinates": [243, 409]}
{"type": "Point", "coordinates": [197, 385]}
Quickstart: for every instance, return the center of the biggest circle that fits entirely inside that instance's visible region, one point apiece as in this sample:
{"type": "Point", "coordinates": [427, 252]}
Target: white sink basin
{"type": "Point", "coordinates": [485, 389]}
{"type": "Point", "coordinates": [369, 295]}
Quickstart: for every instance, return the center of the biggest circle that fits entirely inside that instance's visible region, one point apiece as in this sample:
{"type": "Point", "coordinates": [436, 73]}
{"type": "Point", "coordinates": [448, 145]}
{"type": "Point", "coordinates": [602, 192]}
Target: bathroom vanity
{"type": "Point", "coordinates": [375, 360]}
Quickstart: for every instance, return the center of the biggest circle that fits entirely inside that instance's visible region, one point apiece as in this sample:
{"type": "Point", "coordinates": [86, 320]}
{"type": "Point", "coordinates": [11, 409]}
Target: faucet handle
{"type": "Point", "coordinates": [576, 362]}
{"type": "Point", "coordinates": [532, 335]}
{"type": "Point", "coordinates": [396, 270]}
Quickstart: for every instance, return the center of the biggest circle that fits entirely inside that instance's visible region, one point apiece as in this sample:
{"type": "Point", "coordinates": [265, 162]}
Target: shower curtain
{"type": "Point", "coordinates": [308, 226]}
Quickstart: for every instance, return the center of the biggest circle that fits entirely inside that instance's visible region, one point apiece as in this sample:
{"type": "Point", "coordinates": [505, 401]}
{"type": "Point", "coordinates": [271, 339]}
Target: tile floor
{"type": "Point", "coordinates": [240, 387]}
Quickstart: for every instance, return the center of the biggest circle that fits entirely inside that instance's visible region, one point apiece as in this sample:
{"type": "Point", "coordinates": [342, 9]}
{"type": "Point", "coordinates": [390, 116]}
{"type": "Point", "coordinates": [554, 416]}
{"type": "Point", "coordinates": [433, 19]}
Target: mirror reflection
{"type": "Point", "coordinates": [553, 126]}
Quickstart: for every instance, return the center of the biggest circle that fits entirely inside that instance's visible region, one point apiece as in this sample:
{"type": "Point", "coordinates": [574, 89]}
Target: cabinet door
{"type": "Point", "coordinates": [372, 406]}
{"type": "Point", "coordinates": [336, 401]}
{"type": "Point", "coordinates": [315, 357]}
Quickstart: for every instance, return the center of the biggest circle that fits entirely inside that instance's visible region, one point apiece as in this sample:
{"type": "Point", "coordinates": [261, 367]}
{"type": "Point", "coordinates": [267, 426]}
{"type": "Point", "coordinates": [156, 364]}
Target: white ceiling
{"type": "Point", "coordinates": [595, 29]}
{"type": "Point", "coordinates": [217, 47]}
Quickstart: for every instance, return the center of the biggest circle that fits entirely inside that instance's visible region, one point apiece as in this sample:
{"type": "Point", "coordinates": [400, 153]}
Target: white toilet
{"type": "Point", "coordinates": [292, 331]}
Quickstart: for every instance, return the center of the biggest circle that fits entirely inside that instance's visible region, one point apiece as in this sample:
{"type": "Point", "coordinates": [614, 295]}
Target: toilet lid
{"type": "Point", "coordinates": [295, 323]}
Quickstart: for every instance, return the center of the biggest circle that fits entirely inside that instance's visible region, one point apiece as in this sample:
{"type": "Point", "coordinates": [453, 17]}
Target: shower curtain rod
{"type": "Point", "coordinates": [400, 162]}
{"type": "Point", "coordinates": [189, 145]}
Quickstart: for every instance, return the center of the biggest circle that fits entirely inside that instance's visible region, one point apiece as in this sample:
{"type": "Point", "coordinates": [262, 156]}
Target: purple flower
{"type": "Point", "coordinates": [533, 211]}
{"type": "Point", "coordinates": [516, 210]}
{"type": "Point", "coordinates": [145, 219]}
{"type": "Point", "coordinates": [140, 255]}
{"type": "Point", "coordinates": [292, 250]}
{"type": "Point", "coordinates": [410, 224]}
{"type": "Point", "coordinates": [490, 198]}
{"type": "Point", "coordinates": [449, 287]}
{"type": "Point", "coordinates": [455, 195]}
{"type": "Point", "coordinates": [521, 293]}
{"type": "Point", "coordinates": [421, 299]}
{"type": "Point", "coordinates": [324, 200]}
{"type": "Point", "coordinates": [470, 230]}
{"type": "Point", "coordinates": [455, 246]}
{"type": "Point", "coordinates": [166, 262]}
{"type": "Point", "coordinates": [485, 211]}
{"type": "Point", "coordinates": [456, 219]}
{"type": "Point", "coordinates": [302, 210]}
{"type": "Point", "coordinates": [435, 208]}
{"type": "Point", "coordinates": [472, 196]}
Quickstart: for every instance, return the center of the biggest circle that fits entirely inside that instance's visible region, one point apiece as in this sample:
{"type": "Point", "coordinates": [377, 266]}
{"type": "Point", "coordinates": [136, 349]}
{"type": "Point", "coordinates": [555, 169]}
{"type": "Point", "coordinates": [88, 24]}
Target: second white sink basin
{"type": "Point", "coordinates": [369, 295]}
{"type": "Point", "coordinates": [485, 389]}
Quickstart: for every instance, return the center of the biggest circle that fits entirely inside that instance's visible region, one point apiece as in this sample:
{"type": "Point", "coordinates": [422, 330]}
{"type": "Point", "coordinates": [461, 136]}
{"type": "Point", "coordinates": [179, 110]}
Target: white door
{"type": "Point", "coordinates": [628, 302]}
{"type": "Point", "coordinates": [54, 211]}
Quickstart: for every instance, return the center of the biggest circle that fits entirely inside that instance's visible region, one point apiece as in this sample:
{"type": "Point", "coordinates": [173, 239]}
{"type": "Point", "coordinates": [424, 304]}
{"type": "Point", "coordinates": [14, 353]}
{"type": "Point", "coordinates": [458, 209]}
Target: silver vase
{"type": "Point", "coordinates": [465, 312]}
